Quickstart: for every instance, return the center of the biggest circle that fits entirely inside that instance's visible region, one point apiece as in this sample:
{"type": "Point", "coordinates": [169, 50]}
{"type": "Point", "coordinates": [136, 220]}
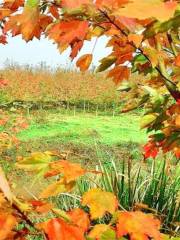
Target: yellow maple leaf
{"type": "Point", "coordinates": [141, 9]}
{"type": "Point", "coordinates": [99, 202]}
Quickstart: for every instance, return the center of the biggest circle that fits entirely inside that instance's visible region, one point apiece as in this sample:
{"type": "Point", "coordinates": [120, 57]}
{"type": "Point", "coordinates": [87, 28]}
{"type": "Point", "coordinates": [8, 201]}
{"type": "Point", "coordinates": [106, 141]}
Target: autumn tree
{"type": "Point", "coordinates": [144, 38]}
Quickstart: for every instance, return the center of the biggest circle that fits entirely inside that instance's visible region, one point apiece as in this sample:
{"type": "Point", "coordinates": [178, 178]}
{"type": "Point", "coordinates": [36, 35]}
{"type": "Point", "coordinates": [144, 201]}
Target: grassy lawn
{"type": "Point", "coordinates": [85, 129]}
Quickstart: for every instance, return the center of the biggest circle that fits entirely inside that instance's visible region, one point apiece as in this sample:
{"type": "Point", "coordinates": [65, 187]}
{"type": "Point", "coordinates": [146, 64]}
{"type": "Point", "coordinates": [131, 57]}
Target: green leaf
{"type": "Point", "coordinates": [108, 235]}
{"type": "Point", "coordinates": [36, 162]}
{"type": "Point", "coordinates": [158, 27]}
{"type": "Point", "coordinates": [106, 63]}
{"type": "Point", "coordinates": [147, 120]}
{"type": "Point", "coordinates": [159, 137]}
{"type": "Point", "coordinates": [138, 59]}
{"type": "Point", "coordinates": [32, 3]}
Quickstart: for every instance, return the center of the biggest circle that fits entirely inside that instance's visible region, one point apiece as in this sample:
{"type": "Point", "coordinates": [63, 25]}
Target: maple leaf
{"type": "Point", "coordinates": [79, 218]}
{"type": "Point", "coordinates": [74, 4]}
{"type": "Point", "coordinates": [3, 40]}
{"type": "Point", "coordinates": [136, 39]}
{"type": "Point", "coordinates": [4, 12]}
{"type": "Point", "coordinates": [99, 202]}
{"type": "Point", "coordinates": [30, 23]}
{"type": "Point", "coordinates": [177, 121]}
{"type": "Point", "coordinates": [177, 152]}
{"type": "Point", "coordinates": [154, 55]}
{"type": "Point", "coordinates": [7, 223]}
{"type": "Point", "coordinates": [57, 228]}
{"type": "Point", "coordinates": [102, 231]}
{"type": "Point", "coordinates": [177, 61]}
{"type": "Point", "coordinates": [147, 120]}
{"type": "Point", "coordinates": [84, 62]}
{"type": "Point", "coordinates": [65, 33]}
{"type": "Point", "coordinates": [13, 4]}
{"type": "Point", "coordinates": [119, 73]}
{"type": "Point", "coordinates": [75, 48]}
{"type": "Point", "coordinates": [70, 171]}
{"type": "Point", "coordinates": [38, 161]}
{"type": "Point", "coordinates": [141, 9]}
{"type": "Point", "coordinates": [110, 4]}
{"type": "Point", "coordinates": [121, 50]}
{"type": "Point", "coordinates": [138, 225]}
{"type": "Point", "coordinates": [41, 207]}
{"type": "Point", "coordinates": [56, 188]}
{"type": "Point", "coordinates": [106, 63]}
{"type": "Point", "coordinates": [54, 11]}
{"type": "Point", "coordinates": [150, 150]}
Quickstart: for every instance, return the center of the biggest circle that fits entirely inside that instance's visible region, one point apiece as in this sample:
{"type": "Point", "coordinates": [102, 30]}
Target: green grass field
{"type": "Point", "coordinates": [86, 129]}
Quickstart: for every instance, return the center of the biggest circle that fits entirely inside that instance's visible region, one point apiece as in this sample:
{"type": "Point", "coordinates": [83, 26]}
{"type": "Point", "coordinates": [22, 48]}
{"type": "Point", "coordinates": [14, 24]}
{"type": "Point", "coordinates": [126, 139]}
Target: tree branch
{"type": "Point", "coordinates": [171, 86]}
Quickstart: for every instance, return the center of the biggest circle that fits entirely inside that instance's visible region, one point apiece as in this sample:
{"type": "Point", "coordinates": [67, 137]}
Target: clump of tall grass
{"type": "Point", "coordinates": [152, 187]}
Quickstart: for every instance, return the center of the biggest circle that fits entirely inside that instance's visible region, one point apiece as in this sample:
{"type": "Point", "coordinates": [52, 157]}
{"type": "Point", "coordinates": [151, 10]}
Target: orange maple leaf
{"type": "Point", "coordinates": [66, 33]}
{"type": "Point", "coordinates": [79, 218]}
{"type": "Point", "coordinates": [3, 40]}
{"type": "Point", "coordinates": [119, 73]}
{"type": "Point", "coordinates": [54, 11]}
{"type": "Point", "coordinates": [136, 39]}
{"type": "Point", "coordinates": [13, 4]}
{"type": "Point", "coordinates": [75, 48]}
{"type": "Point", "coordinates": [177, 61]}
{"type": "Point", "coordinates": [70, 171]}
{"type": "Point", "coordinates": [138, 225]}
{"type": "Point", "coordinates": [84, 62]}
{"type": "Point", "coordinates": [57, 228]}
{"type": "Point", "coordinates": [7, 223]}
{"type": "Point", "coordinates": [4, 12]}
{"type": "Point", "coordinates": [99, 202]}
{"type": "Point", "coordinates": [30, 23]}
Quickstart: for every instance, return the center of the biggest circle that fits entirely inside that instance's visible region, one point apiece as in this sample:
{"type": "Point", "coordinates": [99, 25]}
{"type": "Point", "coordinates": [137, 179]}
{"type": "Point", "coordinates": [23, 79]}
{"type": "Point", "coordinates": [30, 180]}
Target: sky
{"type": "Point", "coordinates": [35, 52]}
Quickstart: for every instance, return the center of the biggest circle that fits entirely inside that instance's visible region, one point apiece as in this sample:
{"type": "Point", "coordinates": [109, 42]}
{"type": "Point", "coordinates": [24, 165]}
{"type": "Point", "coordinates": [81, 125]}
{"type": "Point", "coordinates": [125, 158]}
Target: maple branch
{"type": "Point", "coordinates": [171, 86]}
{"type": "Point", "coordinates": [26, 219]}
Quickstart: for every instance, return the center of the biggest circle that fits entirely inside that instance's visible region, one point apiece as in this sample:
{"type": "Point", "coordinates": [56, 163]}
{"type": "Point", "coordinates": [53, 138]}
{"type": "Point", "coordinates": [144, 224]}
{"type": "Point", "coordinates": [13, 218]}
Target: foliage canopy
{"type": "Point", "coordinates": [144, 38]}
